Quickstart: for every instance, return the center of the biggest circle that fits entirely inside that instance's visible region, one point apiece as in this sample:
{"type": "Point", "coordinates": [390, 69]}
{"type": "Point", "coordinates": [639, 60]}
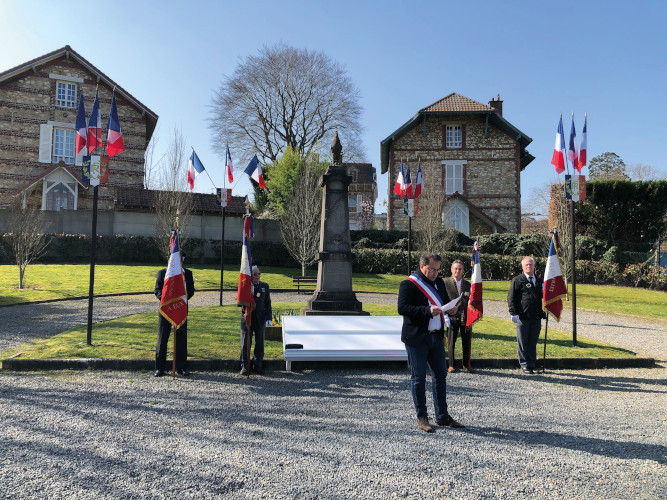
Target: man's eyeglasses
{"type": "Point", "coordinates": [433, 270]}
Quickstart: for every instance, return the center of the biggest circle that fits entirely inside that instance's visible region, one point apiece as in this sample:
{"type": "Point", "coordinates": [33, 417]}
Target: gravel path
{"type": "Point", "coordinates": [31, 321]}
{"type": "Point", "coordinates": [332, 434]}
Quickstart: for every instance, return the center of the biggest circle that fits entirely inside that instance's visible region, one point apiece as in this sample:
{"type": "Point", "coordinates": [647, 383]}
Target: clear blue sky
{"type": "Point", "coordinates": [606, 58]}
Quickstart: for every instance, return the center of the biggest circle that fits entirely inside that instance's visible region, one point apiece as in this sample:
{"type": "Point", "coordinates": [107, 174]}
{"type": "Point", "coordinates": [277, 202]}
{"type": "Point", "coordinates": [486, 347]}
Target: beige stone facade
{"type": "Point", "coordinates": [476, 167]}
{"type": "Point", "coordinates": [362, 189]}
{"type": "Point", "coordinates": [31, 111]}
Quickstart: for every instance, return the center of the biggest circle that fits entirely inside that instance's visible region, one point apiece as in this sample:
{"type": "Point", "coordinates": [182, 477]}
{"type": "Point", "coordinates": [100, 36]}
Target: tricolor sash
{"type": "Point", "coordinates": [431, 294]}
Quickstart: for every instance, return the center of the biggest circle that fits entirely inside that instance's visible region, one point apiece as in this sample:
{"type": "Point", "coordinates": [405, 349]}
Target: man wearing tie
{"type": "Point", "coordinates": [456, 285]}
{"type": "Point", "coordinates": [525, 307]}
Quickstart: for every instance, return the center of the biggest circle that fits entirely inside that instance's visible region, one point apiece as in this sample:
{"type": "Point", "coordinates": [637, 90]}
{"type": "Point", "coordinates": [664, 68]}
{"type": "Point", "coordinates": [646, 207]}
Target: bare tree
{"type": "Point", "coordinates": [152, 164]}
{"type": "Point", "coordinates": [286, 96]}
{"type": "Point", "coordinates": [643, 172]}
{"type": "Point", "coordinates": [27, 240]}
{"type": "Point", "coordinates": [300, 225]}
{"type": "Point", "coordinates": [560, 218]}
{"type": "Point", "coordinates": [172, 198]}
{"type": "Point", "coordinates": [430, 234]}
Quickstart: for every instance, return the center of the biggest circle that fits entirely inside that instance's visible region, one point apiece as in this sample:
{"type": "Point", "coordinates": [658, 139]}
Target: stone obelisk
{"type": "Point", "coordinates": [334, 295]}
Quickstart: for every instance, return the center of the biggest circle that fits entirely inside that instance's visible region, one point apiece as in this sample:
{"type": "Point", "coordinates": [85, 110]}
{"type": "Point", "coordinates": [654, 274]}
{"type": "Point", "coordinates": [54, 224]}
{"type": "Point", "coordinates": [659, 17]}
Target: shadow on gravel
{"type": "Point", "coordinates": [610, 325]}
{"type": "Point", "coordinates": [626, 450]}
{"type": "Point", "coordinates": [586, 381]}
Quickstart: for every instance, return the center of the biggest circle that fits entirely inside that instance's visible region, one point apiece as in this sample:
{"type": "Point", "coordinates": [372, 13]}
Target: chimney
{"type": "Point", "coordinates": [497, 104]}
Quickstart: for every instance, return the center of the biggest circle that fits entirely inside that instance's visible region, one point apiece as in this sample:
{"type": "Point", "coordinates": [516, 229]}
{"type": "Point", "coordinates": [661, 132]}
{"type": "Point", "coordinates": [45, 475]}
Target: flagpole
{"type": "Point", "coordinates": [180, 255]}
{"type": "Point", "coordinates": [544, 358]}
{"type": "Point", "coordinates": [222, 253]}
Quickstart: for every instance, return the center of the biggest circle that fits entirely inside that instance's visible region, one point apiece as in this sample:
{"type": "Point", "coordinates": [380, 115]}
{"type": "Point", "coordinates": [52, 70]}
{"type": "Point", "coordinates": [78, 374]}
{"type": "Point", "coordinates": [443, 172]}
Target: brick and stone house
{"type": "Point", "coordinates": [38, 107]}
{"type": "Point", "coordinates": [362, 189]}
{"type": "Point", "coordinates": [471, 155]}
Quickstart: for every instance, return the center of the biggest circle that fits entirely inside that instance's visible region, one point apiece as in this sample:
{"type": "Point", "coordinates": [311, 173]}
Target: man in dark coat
{"type": "Point", "coordinates": [260, 316]}
{"type": "Point", "coordinates": [420, 298]}
{"type": "Point", "coordinates": [456, 286]}
{"type": "Point", "coordinates": [164, 329]}
{"type": "Point", "coordinates": [524, 301]}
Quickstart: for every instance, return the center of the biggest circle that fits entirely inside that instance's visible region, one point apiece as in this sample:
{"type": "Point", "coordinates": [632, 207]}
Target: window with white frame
{"type": "Point", "coordinates": [454, 177]}
{"type": "Point", "coordinates": [63, 145]}
{"type": "Point", "coordinates": [457, 215]}
{"type": "Point", "coordinates": [453, 136]}
{"type": "Point", "coordinates": [65, 95]}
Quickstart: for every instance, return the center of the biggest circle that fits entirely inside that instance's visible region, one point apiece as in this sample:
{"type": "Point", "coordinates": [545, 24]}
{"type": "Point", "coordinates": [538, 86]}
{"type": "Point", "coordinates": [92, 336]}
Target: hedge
{"type": "Point", "coordinates": [68, 248]}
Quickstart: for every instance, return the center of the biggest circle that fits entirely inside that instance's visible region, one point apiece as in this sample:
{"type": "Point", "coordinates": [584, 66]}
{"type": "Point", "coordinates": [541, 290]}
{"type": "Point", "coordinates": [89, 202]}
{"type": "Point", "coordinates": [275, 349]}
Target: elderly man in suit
{"type": "Point", "coordinates": [420, 300]}
{"type": "Point", "coordinates": [456, 286]}
{"type": "Point", "coordinates": [524, 301]}
{"type": "Point", "coordinates": [261, 314]}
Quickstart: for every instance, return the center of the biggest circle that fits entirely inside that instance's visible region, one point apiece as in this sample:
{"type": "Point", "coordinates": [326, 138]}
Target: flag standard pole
{"type": "Point", "coordinates": [544, 356]}
{"type": "Point", "coordinates": [91, 286]}
{"type": "Point", "coordinates": [574, 278]}
{"type": "Point", "coordinates": [222, 253]}
{"type": "Point", "coordinates": [409, 242]}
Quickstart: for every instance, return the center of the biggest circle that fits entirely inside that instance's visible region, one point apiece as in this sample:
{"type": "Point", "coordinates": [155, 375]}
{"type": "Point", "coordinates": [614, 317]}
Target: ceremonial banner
{"type": "Point", "coordinates": [410, 207]}
{"type": "Point", "coordinates": [475, 306]}
{"type": "Point", "coordinates": [174, 301]}
{"type": "Point", "coordinates": [575, 187]}
{"type": "Point", "coordinates": [554, 288]}
{"type": "Point", "coordinates": [223, 197]}
{"type": "Point", "coordinates": [244, 294]}
{"type": "Point", "coordinates": [92, 170]}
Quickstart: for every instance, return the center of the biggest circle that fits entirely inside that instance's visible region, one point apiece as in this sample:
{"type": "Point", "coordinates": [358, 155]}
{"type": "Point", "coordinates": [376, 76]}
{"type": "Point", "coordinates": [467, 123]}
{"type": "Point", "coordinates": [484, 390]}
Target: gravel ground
{"type": "Point", "coordinates": [332, 434]}
{"type": "Point", "coordinates": [26, 322]}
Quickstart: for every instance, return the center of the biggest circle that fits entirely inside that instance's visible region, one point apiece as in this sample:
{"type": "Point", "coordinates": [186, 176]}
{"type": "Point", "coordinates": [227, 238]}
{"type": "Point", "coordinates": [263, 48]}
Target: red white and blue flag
{"type": "Point", "coordinates": [81, 127]}
{"type": "Point", "coordinates": [95, 126]}
{"type": "Point", "coordinates": [244, 294]}
{"type": "Point", "coordinates": [114, 134]}
{"type": "Point", "coordinates": [195, 168]}
{"type": "Point", "coordinates": [554, 288]}
{"type": "Point", "coordinates": [582, 151]}
{"type": "Point", "coordinates": [475, 306]}
{"type": "Point", "coordinates": [230, 167]}
{"type": "Point", "coordinates": [572, 152]}
{"type": "Point", "coordinates": [174, 301]}
{"type": "Point", "coordinates": [408, 183]}
{"type": "Point", "coordinates": [254, 170]}
{"type": "Point", "coordinates": [401, 187]}
{"type": "Point", "coordinates": [558, 158]}
{"type": "Point", "coordinates": [419, 181]}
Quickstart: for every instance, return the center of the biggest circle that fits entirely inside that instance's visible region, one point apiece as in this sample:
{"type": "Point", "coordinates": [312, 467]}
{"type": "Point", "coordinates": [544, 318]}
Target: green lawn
{"type": "Point", "coordinates": [50, 281]}
{"type": "Point", "coordinates": [213, 332]}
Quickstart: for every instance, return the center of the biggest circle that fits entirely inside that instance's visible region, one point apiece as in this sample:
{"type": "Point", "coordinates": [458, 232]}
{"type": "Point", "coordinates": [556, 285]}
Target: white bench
{"type": "Point", "coordinates": [342, 338]}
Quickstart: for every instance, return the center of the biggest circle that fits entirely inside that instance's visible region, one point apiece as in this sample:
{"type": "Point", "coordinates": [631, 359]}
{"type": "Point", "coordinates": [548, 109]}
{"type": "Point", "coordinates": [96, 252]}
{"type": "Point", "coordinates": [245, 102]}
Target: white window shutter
{"type": "Point", "coordinates": [45, 142]}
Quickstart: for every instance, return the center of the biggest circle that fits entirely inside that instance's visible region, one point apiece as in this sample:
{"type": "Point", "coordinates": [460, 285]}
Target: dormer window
{"type": "Point", "coordinates": [65, 95]}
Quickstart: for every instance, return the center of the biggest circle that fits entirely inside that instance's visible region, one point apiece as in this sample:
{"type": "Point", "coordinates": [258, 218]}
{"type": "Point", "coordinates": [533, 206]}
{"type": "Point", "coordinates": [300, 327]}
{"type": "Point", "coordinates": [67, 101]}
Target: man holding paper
{"type": "Point", "coordinates": [424, 304]}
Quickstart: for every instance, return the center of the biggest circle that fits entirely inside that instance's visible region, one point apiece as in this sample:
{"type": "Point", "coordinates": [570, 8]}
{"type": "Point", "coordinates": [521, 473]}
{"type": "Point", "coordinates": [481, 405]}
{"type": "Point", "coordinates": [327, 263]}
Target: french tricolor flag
{"type": "Point", "coordinates": [554, 286]}
{"type": "Point", "coordinates": [419, 182]}
{"type": "Point", "coordinates": [400, 187]}
{"type": "Point", "coordinates": [254, 170]}
{"type": "Point", "coordinates": [81, 127]}
{"type": "Point", "coordinates": [572, 153]}
{"type": "Point", "coordinates": [582, 150]}
{"type": "Point", "coordinates": [174, 301]}
{"type": "Point", "coordinates": [230, 167]}
{"type": "Point", "coordinates": [114, 134]}
{"type": "Point", "coordinates": [95, 126]}
{"type": "Point", "coordinates": [408, 182]}
{"type": "Point", "coordinates": [558, 158]}
{"type": "Point", "coordinates": [195, 168]}
{"type": "Point", "coordinates": [475, 307]}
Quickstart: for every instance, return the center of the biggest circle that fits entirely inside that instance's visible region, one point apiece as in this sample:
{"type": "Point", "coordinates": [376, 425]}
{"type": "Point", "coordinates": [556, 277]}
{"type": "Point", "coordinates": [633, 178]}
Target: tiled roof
{"type": "Point", "coordinates": [75, 173]}
{"type": "Point", "coordinates": [454, 103]}
{"type": "Point", "coordinates": [144, 200]}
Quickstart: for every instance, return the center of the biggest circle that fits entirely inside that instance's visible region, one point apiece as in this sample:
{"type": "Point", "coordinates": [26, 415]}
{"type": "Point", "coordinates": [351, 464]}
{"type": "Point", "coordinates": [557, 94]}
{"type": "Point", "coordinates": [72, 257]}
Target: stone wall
{"type": "Point", "coordinates": [491, 176]}
{"type": "Point", "coordinates": [29, 100]}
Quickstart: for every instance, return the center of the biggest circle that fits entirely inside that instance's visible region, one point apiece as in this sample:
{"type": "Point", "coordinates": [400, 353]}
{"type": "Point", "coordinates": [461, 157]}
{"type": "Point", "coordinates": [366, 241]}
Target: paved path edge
{"type": "Point", "coordinates": [279, 364]}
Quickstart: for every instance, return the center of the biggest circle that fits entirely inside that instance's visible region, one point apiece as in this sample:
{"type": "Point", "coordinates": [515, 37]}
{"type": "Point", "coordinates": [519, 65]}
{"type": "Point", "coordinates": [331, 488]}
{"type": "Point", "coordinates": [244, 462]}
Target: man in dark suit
{"type": "Point", "coordinates": [455, 285]}
{"type": "Point", "coordinates": [524, 300]}
{"type": "Point", "coordinates": [164, 329]}
{"type": "Point", "coordinates": [420, 298]}
{"type": "Point", "coordinates": [260, 316]}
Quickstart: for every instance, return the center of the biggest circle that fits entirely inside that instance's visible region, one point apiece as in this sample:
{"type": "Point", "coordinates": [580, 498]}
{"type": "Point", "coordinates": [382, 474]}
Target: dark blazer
{"type": "Point", "coordinates": [524, 298]}
{"type": "Point", "coordinates": [416, 310]}
{"type": "Point", "coordinates": [189, 283]}
{"type": "Point", "coordinates": [262, 312]}
{"type": "Point", "coordinates": [450, 286]}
